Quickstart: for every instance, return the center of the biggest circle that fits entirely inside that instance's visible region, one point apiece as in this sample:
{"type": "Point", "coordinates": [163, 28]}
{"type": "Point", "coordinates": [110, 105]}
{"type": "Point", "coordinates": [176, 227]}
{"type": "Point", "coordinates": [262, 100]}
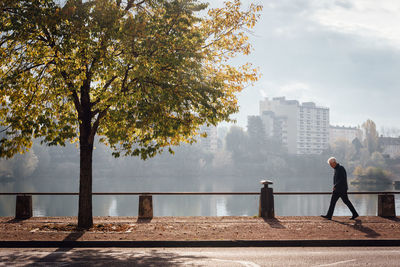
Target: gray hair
{"type": "Point", "coordinates": [331, 159]}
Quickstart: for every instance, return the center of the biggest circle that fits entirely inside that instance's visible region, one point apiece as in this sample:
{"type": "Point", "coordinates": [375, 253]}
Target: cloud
{"type": "Point", "coordinates": [292, 90]}
{"type": "Point", "coordinates": [368, 18]}
{"type": "Point", "coordinates": [341, 54]}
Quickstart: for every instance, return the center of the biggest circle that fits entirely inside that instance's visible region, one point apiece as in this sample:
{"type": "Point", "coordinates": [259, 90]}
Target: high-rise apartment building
{"type": "Point", "coordinates": [313, 129]}
{"type": "Point", "coordinates": [301, 128]}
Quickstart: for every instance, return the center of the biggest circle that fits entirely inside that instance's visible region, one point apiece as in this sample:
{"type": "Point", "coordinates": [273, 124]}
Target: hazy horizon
{"type": "Point", "coordinates": [344, 55]}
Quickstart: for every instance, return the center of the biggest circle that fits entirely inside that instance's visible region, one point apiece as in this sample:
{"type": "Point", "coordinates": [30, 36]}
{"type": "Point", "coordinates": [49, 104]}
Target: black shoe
{"type": "Point", "coordinates": [354, 217]}
{"type": "Point", "coordinates": [326, 217]}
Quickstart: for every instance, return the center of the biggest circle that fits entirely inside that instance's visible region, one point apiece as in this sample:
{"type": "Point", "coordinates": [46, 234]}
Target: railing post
{"type": "Point", "coordinates": [386, 206]}
{"type": "Point", "coordinates": [23, 207]}
{"type": "Point", "coordinates": [266, 207]}
{"type": "Point", "coordinates": [145, 207]}
{"type": "Point", "coordinates": [396, 185]}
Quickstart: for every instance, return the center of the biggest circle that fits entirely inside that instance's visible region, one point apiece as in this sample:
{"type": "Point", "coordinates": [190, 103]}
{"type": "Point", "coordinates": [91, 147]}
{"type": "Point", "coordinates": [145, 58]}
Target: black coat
{"type": "Point", "coordinates": [340, 179]}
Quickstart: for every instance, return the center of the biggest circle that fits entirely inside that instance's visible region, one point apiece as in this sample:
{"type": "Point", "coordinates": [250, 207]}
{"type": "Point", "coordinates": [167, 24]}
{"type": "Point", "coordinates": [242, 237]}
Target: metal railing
{"type": "Point", "coordinates": [386, 205]}
{"type": "Point", "coordinates": [194, 193]}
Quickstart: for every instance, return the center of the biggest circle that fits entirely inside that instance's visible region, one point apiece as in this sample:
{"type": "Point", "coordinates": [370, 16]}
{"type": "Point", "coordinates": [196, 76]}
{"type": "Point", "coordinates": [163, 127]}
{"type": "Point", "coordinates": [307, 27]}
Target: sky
{"type": "Point", "coordinates": [344, 55]}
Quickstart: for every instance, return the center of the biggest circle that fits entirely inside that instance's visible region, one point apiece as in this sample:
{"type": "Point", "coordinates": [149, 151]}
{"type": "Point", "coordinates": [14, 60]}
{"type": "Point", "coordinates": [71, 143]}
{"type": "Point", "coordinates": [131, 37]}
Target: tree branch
{"type": "Point", "coordinates": [8, 127]}
{"type": "Point", "coordinates": [123, 86]}
{"type": "Point", "coordinates": [131, 3]}
{"type": "Point", "coordinates": [223, 34]}
{"type": "Point", "coordinates": [105, 87]}
{"type": "Point", "coordinates": [32, 67]}
{"type": "Point", "coordinates": [96, 124]}
{"type": "Point", "coordinates": [96, 58]}
{"type": "Point", "coordinates": [75, 96]}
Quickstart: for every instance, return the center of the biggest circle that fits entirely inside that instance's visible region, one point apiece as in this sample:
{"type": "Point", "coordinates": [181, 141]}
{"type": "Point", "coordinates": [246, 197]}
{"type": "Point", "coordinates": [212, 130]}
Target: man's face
{"type": "Point", "coordinates": [332, 163]}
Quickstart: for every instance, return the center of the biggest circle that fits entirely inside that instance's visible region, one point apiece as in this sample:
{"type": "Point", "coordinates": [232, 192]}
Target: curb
{"type": "Point", "coordinates": [205, 243]}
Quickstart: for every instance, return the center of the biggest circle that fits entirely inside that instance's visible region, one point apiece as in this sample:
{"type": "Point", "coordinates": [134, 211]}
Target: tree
{"type": "Point", "coordinates": [236, 142]}
{"type": "Point", "coordinates": [19, 167]}
{"type": "Point", "coordinates": [371, 141]}
{"type": "Point", "coordinates": [344, 150]}
{"type": "Point", "coordinates": [141, 74]}
{"type": "Point", "coordinates": [257, 135]}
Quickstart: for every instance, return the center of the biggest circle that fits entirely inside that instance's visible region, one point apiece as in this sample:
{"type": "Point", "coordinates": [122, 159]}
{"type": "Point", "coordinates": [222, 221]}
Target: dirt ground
{"type": "Point", "coordinates": [201, 228]}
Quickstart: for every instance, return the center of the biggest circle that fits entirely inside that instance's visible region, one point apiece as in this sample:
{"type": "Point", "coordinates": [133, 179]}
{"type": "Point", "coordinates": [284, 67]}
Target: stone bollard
{"type": "Point", "coordinates": [266, 207]}
{"type": "Point", "coordinates": [386, 206]}
{"type": "Point", "coordinates": [23, 208]}
{"type": "Point", "coordinates": [145, 207]}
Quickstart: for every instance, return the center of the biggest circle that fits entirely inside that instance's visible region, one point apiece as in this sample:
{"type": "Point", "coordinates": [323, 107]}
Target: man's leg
{"type": "Point", "coordinates": [347, 201]}
{"type": "Point", "coordinates": [334, 199]}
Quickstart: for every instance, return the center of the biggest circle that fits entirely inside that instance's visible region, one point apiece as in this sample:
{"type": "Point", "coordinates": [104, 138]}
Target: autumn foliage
{"type": "Point", "coordinates": [142, 75]}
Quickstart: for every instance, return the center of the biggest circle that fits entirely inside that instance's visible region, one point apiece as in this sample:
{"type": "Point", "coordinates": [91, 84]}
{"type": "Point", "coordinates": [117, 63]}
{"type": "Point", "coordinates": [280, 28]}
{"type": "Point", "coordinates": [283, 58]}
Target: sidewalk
{"type": "Point", "coordinates": [201, 229]}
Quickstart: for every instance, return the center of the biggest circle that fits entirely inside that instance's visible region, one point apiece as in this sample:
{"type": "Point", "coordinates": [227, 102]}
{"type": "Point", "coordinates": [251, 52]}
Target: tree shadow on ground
{"type": "Point", "coordinates": [274, 223]}
{"type": "Point", "coordinates": [359, 227]}
{"type": "Point", "coordinates": [14, 220]}
{"type": "Point", "coordinates": [73, 236]}
{"type": "Point", "coordinates": [102, 257]}
{"type": "Point", "coordinates": [70, 256]}
{"type": "Point", "coordinates": [58, 254]}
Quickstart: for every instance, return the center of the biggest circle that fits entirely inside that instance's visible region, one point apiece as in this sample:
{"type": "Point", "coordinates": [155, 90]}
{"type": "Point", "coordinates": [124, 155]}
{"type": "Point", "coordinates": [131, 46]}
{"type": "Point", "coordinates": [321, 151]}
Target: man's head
{"type": "Point", "coordinates": [332, 162]}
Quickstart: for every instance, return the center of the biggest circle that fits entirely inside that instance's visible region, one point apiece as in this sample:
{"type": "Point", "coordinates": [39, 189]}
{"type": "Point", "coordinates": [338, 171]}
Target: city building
{"type": "Point", "coordinates": [313, 129]}
{"type": "Point", "coordinates": [285, 122]}
{"type": "Point", "coordinates": [301, 128]}
{"type": "Point", "coordinates": [390, 146]}
{"type": "Point", "coordinates": [344, 133]}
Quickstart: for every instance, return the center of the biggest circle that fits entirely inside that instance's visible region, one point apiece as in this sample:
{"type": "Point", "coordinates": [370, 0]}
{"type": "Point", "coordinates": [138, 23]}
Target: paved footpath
{"type": "Point", "coordinates": [194, 230]}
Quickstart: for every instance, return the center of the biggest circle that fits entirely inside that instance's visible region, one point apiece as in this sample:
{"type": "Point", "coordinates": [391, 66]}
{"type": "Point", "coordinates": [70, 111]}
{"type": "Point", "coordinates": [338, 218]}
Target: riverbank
{"type": "Point", "coordinates": [200, 229]}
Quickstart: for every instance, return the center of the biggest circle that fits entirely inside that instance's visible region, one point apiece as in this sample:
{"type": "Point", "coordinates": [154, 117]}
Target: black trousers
{"type": "Point", "coordinates": [343, 195]}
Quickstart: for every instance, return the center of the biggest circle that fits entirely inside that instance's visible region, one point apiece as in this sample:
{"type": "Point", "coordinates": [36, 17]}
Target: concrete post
{"type": "Point", "coordinates": [145, 206]}
{"type": "Point", "coordinates": [266, 207]}
{"type": "Point", "coordinates": [23, 207]}
{"type": "Point", "coordinates": [396, 185]}
{"type": "Point", "coordinates": [386, 206]}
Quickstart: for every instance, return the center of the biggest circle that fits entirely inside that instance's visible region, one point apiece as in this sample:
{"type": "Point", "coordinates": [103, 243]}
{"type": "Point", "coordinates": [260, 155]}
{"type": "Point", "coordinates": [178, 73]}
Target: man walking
{"type": "Point", "coordinates": [339, 189]}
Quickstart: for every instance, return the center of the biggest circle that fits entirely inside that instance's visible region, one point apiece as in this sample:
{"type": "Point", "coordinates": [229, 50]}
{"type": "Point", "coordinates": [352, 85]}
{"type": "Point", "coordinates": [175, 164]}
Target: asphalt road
{"type": "Point", "coordinates": [250, 257]}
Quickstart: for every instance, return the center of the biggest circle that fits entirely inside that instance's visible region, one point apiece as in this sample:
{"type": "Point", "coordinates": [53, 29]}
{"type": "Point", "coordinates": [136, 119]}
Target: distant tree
{"type": "Point", "coordinates": [344, 150]}
{"type": "Point", "coordinates": [19, 167]}
{"type": "Point", "coordinates": [357, 145]}
{"type": "Point", "coordinates": [236, 142]}
{"type": "Point", "coordinates": [222, 160]}
{"type": "Point", "coordinates": [358, 171]}
{"type": "Point", "coordinates": [371, 141]}
{"type": "Point", "coordinates": [365, 157]}
{"type": "Point", "coordinates": [371, 172]}
{"type": "Point", "coordinates": [257, 136]}
{"type": "Point", "coordinates": [377, 160]}
{"type": "Point", "coordinates": [142, 74]}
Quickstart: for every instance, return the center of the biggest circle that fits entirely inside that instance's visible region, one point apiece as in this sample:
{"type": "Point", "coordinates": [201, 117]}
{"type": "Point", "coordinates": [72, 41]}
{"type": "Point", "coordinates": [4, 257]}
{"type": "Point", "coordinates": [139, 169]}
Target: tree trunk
{"type": "Point", "coordinates": [85, 217]}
